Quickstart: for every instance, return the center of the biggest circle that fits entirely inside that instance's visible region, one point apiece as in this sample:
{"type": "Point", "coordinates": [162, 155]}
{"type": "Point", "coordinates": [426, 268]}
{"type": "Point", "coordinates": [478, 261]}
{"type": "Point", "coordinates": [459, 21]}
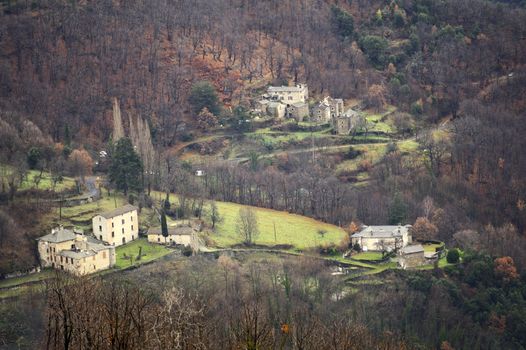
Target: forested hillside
{"type": "Point", "coordinates": [154, 102]}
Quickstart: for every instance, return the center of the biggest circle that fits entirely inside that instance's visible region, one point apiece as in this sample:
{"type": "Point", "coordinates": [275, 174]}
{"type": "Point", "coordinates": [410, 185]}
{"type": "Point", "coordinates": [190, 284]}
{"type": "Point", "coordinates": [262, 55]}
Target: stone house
{"type": "Point", "coordinates": [298, 111]}
{"type": "Point", "coordinates": [327, 109]}
{"type": "Point", "coordinates": [382, 238]}
{"type": "Point", "coordinates": [321, 113]}
{"type": "Point", "coordinates": [180, 235]}
{"type": "Point", "coordinates": [276, 109]}
{"type": "Point", "coordinates": [74, 252]}
{"type": "Point", "coordinates": [347, 122]}
{"type": "Point", "coordinates": [336, 106]}
{"type": "Point", "coordinates": [412, 256]}
{"type": "Point", "coordinates": [117, 226]}
{"type": "Point", "coordinates": [288, 94]}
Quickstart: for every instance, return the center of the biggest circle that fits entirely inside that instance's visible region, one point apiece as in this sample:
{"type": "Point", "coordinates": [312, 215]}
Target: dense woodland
{"type": "Point", "coordinates": [77, 75]}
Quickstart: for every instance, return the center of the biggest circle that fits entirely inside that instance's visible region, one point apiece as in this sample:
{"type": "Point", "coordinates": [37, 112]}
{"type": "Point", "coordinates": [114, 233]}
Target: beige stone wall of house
{"type": "Point", "coordinates": [374, 244]}
{"type": "Point", "coordinates": [171, 239]}
{"type": "Point", "coordinates": [412, 260]}
{"type": "Point", "coordinates": [298, 111]}
{"type": "Point", "coordinates": [117, 230]}
{"type": "Point", "coordinates": [102, 260]}
{"type": "Point", "coordinates": [49, 252]}
{"type": "Point", "coordinates": [288, 95]}
{"type": "Point", "coordinates": [321, 114]}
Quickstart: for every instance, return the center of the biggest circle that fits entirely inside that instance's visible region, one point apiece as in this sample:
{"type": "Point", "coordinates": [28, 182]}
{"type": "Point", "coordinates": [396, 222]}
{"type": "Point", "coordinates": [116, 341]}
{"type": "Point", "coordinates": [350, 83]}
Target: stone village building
{"type": "Point", "coordinates": [347, 122]}
{"type": "Point", "coordinates": [327, 109]}
{"type": "Point", "coordinates": [179, 235]}
{"type": "Point", "coordinates": [74, 252]}
{"type": "Point", "coordinates": [412, 256]}
{"type": "Point", "coordinates": [382, 238]}
{"type": "Point", "coordinates": [118, 226]}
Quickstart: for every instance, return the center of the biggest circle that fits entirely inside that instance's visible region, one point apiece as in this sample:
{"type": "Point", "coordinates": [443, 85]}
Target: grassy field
{"type": "Point", "coordinates": [149, 252]}
{"type": "Point", "coordinates": [431, 248]}
{"type": "Point", "coordinates": [368, 256]}
{"type": "Point", "coordinates": [35, 277]}
{"type": "Point", "coordinates": [299, 231]}
{"type": "Point", "coordinates": [46, 182]}
{"type": "Point", "coordinates": [378, 121]}
{"type": "Point", "coordinates": [296, 230]}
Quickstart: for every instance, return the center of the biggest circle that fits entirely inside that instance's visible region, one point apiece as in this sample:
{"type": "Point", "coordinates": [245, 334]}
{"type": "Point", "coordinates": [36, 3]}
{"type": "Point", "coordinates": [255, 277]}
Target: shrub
{"type": "Point", "coordinates": [416, 108]}
{"type": "Point", "coordinates": [187, 251]}
{"type": "Point", "coordinates": [352, 153]}
{"type": "Point", "coordinates": [453, 256]}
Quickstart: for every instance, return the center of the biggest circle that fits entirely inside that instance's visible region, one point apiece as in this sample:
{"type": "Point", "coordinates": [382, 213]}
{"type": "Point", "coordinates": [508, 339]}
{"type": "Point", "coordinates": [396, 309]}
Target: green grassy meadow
{"type": "Point", "coordinates": [33, 179]}
{"type": "Point", "coordinates": [150, 251]}
{"type": "Point", "coordinates": [296, 230]}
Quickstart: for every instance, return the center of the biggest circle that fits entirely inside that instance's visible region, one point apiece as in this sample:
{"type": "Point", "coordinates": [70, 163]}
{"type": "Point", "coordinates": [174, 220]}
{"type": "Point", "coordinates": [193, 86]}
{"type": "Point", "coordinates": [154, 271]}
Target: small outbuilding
{"type": "Point", "coordinates": [412, 256]}
{"type": "Point", "coordinates": [179, 235]}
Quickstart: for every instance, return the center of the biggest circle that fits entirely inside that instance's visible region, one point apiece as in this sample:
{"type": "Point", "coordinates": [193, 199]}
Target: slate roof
{"type": "Point", "coordinates": [58, 235]}
{"type": "Point", "coordinates": [77, 254]}
{"type": "Point", "coordinates": [85, 249]}
{"type": "Point", "coordinates": [119, 211]}
{"type": "Point", "coordinates": [173, 231]}
{"type": "Point", "coordinates": [298, 104]}
{"type": "Point", "coordinates": [351, 113]}
{"type": "Point", "coordinates": [382, 231]}
{"type": "Point", "coordinates": [285, 89]}
{"type": "Point", "coordinates": [412, 249]}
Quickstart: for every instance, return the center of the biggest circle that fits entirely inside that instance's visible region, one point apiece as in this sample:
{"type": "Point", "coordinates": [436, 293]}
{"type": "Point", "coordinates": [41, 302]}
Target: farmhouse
{"type": "Point", "coordinates": [288, 94]}
{"type": "Point", "coordinates": [276, 109]}
{"type": "Point", "coordinates": [411, 256]}
{"type": "Point", "coordinates": [321, 113]}
{"type": "Point", "coordinates": [298, 111]}
{"type": "Point", "coordinates": [117, 226]}
{"type": "Point", "coordinates": [74, 252]}
{"type": "Point", "coordinates": [347, 122]}
{"type": "Point", "coordinates": [180, 235]}
{"type": "Point", "coordinates": [327, 109]}
{"type": "Point", "coordinates": [382, 238]}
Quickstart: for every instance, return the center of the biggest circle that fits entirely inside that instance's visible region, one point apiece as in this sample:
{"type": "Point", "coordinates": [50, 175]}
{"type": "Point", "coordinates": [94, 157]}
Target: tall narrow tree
{"type": "Point", "coordinates": [164, 225]}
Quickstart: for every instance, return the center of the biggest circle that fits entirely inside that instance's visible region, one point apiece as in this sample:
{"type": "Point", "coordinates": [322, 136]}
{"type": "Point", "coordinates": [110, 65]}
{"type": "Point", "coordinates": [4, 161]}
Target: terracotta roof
{"type": "Point", "coordinates": [119, 211]}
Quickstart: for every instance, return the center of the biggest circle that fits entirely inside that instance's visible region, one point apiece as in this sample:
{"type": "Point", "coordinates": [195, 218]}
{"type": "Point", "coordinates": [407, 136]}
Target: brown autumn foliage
{"type": "Point", "coordinates": [80, 163]}
{"type": "Point", "coordinates": [505, 269]}
{"type": "Point", "coordinates": [424, 230]}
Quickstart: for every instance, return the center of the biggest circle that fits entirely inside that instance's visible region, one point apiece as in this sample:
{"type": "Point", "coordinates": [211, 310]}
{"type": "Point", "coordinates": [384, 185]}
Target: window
{"type": "Point", "coordinates": [112, 234]}
{"type": "Point", "coordinates": [112, 224]}
{"type": "Point", "coordinates": [133, 237]}
{"type": "Point", "coordinates": [131, 218]}
{"type": "Point", "coordinates": [100, 237]}
{"type": "Point", "coordinates": [158, 239]}
{"type": "Point", "coordinates": [123, 240]}
{"type": "Point", "coordinates": [132, 227]}
{"type": "Point", "coordinates": [61, 260]}
{"type": "Point", "coordinates": [123, 230]}
{"type": "Point", "coordinates": [100, 228]}
{"type": "Point", "coordinates": [123, 221]}
{"type": "Point", "coordinates": [290, 98]}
